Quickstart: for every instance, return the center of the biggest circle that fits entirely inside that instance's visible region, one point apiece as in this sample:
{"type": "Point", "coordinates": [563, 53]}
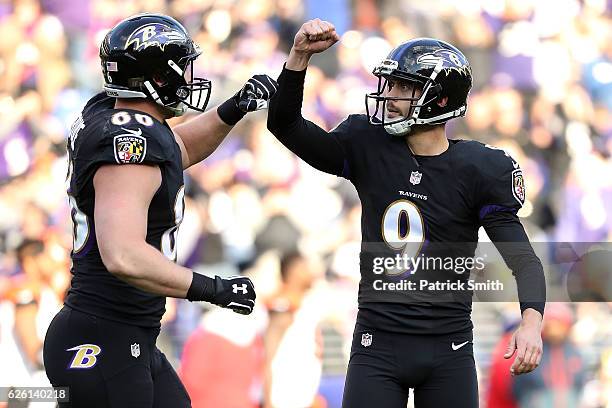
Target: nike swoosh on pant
{"type": "Point", "coordinates": [458, 346]}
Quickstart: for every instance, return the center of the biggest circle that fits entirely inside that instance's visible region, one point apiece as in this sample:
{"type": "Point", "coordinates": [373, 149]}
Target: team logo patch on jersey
{"type": "Point", "coordinates": [366, 339]}
{"type": "Point", "coordinates": [415, 178]}
{"type": "Point", "coordinates": [155, 34]}
{"type": "Point", "coordinates": [130, 147]}
{"type": "Point", "coordinates": [518, 186]}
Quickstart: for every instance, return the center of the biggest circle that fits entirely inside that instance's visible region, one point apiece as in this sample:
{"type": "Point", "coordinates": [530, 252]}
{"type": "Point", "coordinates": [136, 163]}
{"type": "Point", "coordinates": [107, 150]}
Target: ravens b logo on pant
{"type": "Point", "coordinates": [85, 356]}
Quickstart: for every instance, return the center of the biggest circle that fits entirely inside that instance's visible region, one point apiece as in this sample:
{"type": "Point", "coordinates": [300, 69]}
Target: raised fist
{"type": "Point", "coordinates": [315, 36]}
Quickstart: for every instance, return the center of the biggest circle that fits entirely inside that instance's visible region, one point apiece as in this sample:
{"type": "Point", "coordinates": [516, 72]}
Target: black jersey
{"type": "Point", "coordinates": [429, 206]}
{"type": "Point", "coordinates": [104, 135]}
{"type": "Point", "coordinates": [422, 206]}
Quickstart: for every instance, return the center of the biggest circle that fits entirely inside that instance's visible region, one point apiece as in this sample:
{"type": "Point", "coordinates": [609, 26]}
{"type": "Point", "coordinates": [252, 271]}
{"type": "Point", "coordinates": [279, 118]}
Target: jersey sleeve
{"type": "Point", "coordinates": [502, 194]}
{"type": "Point", "coordinates": [342, 134]}
{"type": "Point", "coordinates": [129, 143]}
{"type": "Point", "coordinates": [501, 186]}
{"type": "Point", "coordinates": [322, 150]}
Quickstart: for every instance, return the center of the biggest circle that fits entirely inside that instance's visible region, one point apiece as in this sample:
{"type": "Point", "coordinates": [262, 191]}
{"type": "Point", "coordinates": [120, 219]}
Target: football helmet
{"type": "Point", "coordinates": [151, 56]}
{"type": "Point", "coordinates": [434, 66]}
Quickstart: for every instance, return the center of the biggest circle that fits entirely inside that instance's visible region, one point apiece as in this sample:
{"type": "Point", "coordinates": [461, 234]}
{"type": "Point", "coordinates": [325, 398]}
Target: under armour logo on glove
{"type": "Point", "coordinates": [256, 93]}
{"type": "Point", "coordinates": [242, 288]}
{"type": "Point", "coordinates": [236, 293]}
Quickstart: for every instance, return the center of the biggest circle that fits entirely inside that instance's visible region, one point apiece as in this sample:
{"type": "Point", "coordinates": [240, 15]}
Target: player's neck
{"type": "Point", "coordinates": [142, 105]}
{"type": "Point", "coordinates": [431, 142]}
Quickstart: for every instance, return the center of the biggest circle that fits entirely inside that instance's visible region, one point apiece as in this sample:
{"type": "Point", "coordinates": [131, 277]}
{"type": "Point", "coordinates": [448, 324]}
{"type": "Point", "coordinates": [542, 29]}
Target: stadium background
{"type": "Point", "coordinates": [543, 91]}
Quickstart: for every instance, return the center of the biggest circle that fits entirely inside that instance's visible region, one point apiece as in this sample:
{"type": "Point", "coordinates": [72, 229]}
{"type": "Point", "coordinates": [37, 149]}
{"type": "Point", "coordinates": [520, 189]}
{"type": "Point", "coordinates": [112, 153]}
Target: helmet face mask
{"type": "Point", "coordinates": [195, 93]}
{"type": "Point", "coordinates": [151, 56]}
{"type": "Point", "coordinates": [377, 103]}
{"type": "Point", "coordinates": [436, 68]}
{"type": "Point", "coordinates": [180, 87]}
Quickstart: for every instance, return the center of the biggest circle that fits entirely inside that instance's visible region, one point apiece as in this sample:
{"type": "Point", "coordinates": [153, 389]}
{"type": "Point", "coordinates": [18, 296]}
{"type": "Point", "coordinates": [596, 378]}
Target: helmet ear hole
{"type": "Point", "coordinates": [159, 79]}
{"type": "Point", "coordinates": [442, 101]}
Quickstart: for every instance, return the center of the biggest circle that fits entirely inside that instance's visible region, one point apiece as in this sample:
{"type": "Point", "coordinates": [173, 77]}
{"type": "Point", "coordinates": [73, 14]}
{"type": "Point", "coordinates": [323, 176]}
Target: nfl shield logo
{"type": "Point", "coordinates": [415, 178]}
{"type": "Point", "coordinates": [135, 350]}
{"type": "Point", "coordinates": [366, 339]}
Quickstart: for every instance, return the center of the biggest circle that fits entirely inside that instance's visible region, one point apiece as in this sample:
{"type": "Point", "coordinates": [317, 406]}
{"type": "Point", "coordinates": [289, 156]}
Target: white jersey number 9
{"type": "Point", "coordinates": [408, 240]}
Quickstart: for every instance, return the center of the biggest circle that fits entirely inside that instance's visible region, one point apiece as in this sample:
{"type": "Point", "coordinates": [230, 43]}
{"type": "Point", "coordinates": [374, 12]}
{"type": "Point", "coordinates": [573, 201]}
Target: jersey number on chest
{"type": "Point", "coordinates": [168, 241]}
{"type": "Point", "coordinates": [403, 229]}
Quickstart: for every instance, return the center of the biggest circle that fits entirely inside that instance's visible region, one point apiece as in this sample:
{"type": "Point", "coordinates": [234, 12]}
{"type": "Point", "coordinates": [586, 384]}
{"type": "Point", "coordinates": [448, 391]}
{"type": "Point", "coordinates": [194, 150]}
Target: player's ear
{"type": "Point", "coordinates": [442, 101]}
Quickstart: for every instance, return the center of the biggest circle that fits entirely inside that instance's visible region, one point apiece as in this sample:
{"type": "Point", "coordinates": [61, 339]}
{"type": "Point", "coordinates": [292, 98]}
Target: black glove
{"type": "Point", "coordinates": [256, 93]}
{"type": "Point", "coordinates": [236, 293]}
{"type": "Point", "coordinates": [253, 96]}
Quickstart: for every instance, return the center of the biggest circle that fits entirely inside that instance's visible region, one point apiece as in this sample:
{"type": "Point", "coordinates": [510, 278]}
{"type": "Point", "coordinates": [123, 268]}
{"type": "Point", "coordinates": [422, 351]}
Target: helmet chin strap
{"type": "Point", "coordinates": [177, 110]}
{"type": "Point", "coordinates": [404, 127]}
{"type": "Point", "coordinates": [400, 128]}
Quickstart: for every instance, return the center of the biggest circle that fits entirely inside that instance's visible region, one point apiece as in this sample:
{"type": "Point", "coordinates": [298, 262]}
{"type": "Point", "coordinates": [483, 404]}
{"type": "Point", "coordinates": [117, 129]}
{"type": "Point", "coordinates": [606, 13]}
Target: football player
{"type": "Point", "coordinates": [126, 193]}
{"type": "Point", "coordinates": [419, 191]}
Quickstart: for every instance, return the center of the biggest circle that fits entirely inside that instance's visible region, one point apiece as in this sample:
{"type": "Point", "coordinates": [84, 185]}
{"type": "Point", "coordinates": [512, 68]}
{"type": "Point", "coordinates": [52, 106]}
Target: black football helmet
{"type": "Point", "coordinates": [434, 66]}
{"type": "Point", "coordinates": [150, 56]}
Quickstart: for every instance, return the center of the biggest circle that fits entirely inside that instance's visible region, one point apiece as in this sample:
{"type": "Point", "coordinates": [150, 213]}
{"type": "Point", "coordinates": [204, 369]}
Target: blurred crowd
{"type": "Point", "coordinates": [542, 92]}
